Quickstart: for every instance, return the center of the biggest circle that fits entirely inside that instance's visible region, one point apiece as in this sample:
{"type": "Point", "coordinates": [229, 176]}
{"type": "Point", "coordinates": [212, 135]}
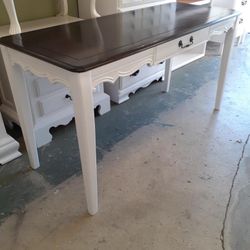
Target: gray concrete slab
{"type": "Point", "coordinates": [237, 226]}
{"type": "Point", "coordinates": [166, 165]}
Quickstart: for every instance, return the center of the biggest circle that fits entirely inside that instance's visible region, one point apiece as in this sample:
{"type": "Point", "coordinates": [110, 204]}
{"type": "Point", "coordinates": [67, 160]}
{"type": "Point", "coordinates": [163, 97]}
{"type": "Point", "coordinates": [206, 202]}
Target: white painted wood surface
{"type": "Point", "coordinates": [85, 126]}
{"type": "Point", "coordinates": [81, 86]}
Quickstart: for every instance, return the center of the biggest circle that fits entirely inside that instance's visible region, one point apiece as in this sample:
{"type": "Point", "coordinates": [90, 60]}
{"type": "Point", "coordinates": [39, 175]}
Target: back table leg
{"type": "Point", "coordinates": [165, 85]}
{"type": "Point", "coordinates": [224, 67]}
{"type": "Point", "coordinates": [82, 95]}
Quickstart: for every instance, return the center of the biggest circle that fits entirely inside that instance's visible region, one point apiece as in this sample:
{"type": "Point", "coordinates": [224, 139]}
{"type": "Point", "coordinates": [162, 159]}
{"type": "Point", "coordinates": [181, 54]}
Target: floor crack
{"type": "Point", "coordinates": [222, 234]}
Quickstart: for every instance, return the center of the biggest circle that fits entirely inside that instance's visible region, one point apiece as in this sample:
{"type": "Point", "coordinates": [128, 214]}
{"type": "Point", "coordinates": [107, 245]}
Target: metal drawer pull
{"type": "Point", "coordinates": [135, 73]}
{"type": "Point", "coordinates": [191, 40]}
{"type": "Point", "coordinates": [241, 20]}
{"type": "Point", "coordinates": [68, 97]}
{"type": "Point", "coordinates": [244, 2]}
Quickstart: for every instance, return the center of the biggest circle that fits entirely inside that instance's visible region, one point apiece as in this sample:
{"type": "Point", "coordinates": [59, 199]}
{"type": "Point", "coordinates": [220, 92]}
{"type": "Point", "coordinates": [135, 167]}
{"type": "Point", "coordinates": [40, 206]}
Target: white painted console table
{"type": "Point", "coordinates": [82, 60]}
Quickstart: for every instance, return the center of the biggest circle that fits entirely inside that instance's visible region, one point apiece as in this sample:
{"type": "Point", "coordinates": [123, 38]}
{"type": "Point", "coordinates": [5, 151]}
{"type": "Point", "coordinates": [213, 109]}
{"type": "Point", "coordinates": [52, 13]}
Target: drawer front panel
{"type": "Point", "coordinates": [172, 48]}
{"type": "Point", "coordinates": [141, 74]}
{"type": "Point", "coordinates": [54, 102]}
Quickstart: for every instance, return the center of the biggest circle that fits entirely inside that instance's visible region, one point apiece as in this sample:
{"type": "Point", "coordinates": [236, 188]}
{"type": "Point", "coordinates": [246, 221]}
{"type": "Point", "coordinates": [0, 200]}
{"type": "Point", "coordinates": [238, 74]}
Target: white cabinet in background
{"type": "Point", "coordinates": [113, 6]}
{"type": "Point", "coordinates": [51, 104]}
{"type": "Point", "coordinates": [243, 21]}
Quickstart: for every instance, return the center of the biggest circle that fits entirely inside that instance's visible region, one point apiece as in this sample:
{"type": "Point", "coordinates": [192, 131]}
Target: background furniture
{"type": "Point", "coordinates": [120, 91]}
{"type": "Point", "coordinates": [51, 104]}
{"type": "Point", "coordinates": [195, 2]}
{"type": "Point", "coordinates": [8, 146]}
{"type": "Point", "coordinates": [243, 21]}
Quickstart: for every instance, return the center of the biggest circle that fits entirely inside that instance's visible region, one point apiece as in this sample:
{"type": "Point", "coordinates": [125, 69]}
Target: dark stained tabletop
{"type": "Point", "coordinates": [88, 44]}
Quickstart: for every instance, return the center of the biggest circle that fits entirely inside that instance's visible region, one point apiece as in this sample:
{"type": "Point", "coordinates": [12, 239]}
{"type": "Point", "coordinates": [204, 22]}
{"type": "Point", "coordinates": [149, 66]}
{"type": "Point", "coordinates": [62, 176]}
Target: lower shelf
{"type": "Point", "coordinates": [180, 61]}
{"type": "Point", "coordinates": [189, 56]}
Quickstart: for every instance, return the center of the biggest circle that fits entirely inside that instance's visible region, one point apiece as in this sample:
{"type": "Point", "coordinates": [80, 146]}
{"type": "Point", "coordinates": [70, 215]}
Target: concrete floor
{"type": "Point", "coordinates": [173, 175]}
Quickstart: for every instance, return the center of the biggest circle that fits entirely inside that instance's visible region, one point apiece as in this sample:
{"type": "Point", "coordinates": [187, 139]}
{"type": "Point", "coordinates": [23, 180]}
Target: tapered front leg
{"type": "Point", "coordinates": [21, 97]}
{"type": "Point", "coordinates": [165, 85]}
{"type": "Point", "coordinates": [224, 66]}
{"type": "Point", "coordinates": [82, 95]}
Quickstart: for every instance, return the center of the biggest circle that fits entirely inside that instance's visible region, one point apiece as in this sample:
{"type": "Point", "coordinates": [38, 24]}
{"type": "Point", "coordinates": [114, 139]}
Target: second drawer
{"type": "Point", "coordinates": [181, 44]}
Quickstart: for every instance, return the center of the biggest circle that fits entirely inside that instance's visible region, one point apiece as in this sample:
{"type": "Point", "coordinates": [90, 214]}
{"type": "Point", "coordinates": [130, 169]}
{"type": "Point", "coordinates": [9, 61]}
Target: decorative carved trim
{"type": "Point", "coordinates": [124, 67]}
{"type": "Point", "coordinates": [37, 67]}
{"type": "Point", "coordinates": [113, 76]}
{"type": "Point", "coordinates": [38, 73]}
{"type": "Point", "coordinates": [107, 73]}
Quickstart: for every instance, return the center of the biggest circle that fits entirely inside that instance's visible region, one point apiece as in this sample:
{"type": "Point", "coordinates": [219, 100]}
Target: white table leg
{"type": "Point", "coordinates": [20, 93]}
{"type": "Point", "coordinates": [82, 95]}
{"type": "Point", "coordinates": [165, 85]}
{"type": "Point", "coordinates": [229, 40]}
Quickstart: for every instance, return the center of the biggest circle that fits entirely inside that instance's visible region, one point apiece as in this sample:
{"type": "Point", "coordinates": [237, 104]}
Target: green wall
{"type": "Point", "coordinates": [34, 9]}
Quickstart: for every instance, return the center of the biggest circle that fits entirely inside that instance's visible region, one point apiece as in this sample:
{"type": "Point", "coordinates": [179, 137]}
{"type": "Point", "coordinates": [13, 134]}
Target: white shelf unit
{"type": "Point", "coordinates": [39, 24]}
{"type": "Point", "coordinates": [50, 103]}
{"type": "Point", "coordinates": [119, 92]}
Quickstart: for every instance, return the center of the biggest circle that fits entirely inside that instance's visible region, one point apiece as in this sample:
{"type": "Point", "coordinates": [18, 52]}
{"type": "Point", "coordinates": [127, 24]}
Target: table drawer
{"type": "Point", "coordinates": [144, 72]}
{"type": "Point", "coordinates": [181, 44]}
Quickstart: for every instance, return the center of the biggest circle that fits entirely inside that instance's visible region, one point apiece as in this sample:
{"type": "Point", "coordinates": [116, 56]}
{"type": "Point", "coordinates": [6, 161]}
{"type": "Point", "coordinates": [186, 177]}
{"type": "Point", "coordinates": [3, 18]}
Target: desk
{"type": "Point", "coordinates": [83, 54]}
